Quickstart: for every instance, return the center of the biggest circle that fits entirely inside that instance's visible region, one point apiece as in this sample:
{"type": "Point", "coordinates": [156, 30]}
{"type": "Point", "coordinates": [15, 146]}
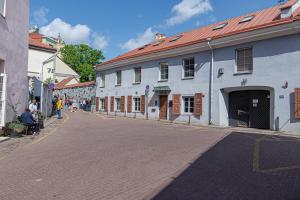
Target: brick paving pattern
{"type": "Point", "coordinates": [91, 158]}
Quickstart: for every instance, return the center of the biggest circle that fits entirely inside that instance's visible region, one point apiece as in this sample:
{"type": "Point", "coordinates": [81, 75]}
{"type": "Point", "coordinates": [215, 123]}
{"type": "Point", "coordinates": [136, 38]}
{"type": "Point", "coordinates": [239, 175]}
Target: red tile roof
{"type": "Point", "coordinates": [35, 40]}
{"type": "Point", "coordinates": [262, 19]}
{"type": "Point", "coordinates": [64, 82]}
{"type": "Point", "coordinates": [78, 85]}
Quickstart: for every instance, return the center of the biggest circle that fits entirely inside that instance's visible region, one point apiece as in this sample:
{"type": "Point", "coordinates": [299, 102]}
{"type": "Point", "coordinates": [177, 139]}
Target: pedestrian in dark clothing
{"type": "Point", "coordinates": [28, 120]}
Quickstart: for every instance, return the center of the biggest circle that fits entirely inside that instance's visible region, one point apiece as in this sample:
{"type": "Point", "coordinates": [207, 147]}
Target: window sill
{"type": "Point", "coordinates": [243, 73]}
{"type": "Point", "coordinates": [162, 81]}
{"type": "Point", "coordinates": [137, 83]}
{"type": "Point", "coordinates": [187, 78]}
{"type": "Point", "coordinates": [102, 87]}
{"type": "Point", "coordinates": [117, 85]}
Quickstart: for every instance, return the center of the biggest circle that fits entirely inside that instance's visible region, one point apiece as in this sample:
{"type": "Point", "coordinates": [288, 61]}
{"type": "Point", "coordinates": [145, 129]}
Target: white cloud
{"type": "Point", "coordinates": [187, 9]}
{"type": "Point", "coordinates": [71, 34]}
{"type": "Point", "coordinates": [99, 41]}
{"type": "Point", "coordinates": [142, 39]}
{"type": "Point", "coordinates": [39, 17]}
{"type": "Point", "coordinates": [75, 34]}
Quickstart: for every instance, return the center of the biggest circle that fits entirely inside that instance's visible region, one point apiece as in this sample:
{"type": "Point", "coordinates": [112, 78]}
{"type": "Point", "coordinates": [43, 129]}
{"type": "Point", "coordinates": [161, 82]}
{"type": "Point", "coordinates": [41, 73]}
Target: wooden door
{"type": "Point", "coordinates": [163, 107]}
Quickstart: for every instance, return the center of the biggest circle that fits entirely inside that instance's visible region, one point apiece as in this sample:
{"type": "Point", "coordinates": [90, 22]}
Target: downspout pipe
{"type": "Point", "coordinates": [211, 81]}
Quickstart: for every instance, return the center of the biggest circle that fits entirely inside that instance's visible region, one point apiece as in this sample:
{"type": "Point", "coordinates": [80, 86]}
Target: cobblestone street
{"type": "Point", "coordinates": [92, 157]}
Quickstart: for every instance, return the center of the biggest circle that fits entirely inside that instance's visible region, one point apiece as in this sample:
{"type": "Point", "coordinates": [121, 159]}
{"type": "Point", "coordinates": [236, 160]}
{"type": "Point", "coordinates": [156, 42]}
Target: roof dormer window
{"type": "Point", "coordinates": [143, 47]}
{"type": "Point", "coordinates": [221, 26]}
{"type": "Point", "coordinates": [247, 19]}
{"type": "Point", "coordinates": [158, 43]}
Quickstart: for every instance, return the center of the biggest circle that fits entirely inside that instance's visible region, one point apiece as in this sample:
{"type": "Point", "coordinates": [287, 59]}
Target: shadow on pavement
{"type": "Point", "coordinates": [242, 166]}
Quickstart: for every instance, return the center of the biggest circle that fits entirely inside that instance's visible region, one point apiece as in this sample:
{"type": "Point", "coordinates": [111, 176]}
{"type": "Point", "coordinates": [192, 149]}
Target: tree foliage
{"type": "Point", "coordinates": [82, 58]}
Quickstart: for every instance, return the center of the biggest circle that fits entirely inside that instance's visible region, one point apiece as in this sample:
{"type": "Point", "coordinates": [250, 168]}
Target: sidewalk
{"type": "Point", "coordinates": [10, 144]}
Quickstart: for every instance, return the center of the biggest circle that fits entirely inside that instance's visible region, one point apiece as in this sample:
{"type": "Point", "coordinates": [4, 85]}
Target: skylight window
{"type": "Point", "coordinates": [177, 37]}
{"type": "Point", "coordinates": [221, 26]}
{"type": "Point", "coordinates": [158, 43]}
{"type": "Point", "coordinates": [143, 47]}
{"type": "Point", "coordinates": [247, 19]}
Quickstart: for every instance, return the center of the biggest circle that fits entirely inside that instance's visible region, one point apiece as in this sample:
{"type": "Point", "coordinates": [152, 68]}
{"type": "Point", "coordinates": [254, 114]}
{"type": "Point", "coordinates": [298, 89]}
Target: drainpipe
{"type": "Point", "coordinates": [211, 78]}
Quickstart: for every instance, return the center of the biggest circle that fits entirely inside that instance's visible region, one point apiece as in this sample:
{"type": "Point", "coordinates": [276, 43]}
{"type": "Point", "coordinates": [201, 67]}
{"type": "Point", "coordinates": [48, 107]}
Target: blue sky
{"type": "Point", "coordinates": [117, 26]}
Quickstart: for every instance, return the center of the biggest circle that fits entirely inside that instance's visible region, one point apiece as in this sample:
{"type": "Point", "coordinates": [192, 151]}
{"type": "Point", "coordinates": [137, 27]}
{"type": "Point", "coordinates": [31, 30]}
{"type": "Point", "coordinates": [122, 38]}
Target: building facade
{"type": "Point", "coordinates": [240, 72]}
{"type": "Point", "coordinates": [14, 22]}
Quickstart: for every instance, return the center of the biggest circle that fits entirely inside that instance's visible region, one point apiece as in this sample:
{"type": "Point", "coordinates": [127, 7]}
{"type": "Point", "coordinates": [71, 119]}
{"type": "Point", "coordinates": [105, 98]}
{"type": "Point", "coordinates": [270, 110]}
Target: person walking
{"type": "Point", "coordinates": [59, 107]}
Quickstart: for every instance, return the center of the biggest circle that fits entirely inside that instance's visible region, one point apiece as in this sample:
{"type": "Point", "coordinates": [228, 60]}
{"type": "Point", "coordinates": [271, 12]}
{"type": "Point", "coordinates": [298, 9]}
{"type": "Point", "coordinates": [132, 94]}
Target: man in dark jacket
{"type": "Point", "coordinates": [28, 120]}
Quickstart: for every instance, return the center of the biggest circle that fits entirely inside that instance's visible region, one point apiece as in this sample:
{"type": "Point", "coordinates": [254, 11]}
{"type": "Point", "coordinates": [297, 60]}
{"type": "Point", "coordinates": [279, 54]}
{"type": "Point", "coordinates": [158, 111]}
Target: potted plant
{"type": "Point", "coordinates": [41, 119]}
{"type": "Point", "coordinates": [15, 128]}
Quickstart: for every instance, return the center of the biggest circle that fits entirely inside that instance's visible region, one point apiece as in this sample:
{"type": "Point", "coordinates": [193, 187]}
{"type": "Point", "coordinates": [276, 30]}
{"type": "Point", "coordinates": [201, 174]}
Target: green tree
{"type": "Point", "coordinates": [82, 58]}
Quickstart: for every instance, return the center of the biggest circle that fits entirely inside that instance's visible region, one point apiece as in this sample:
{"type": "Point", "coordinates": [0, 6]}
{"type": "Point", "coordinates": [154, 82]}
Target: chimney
{"type": "Point", "coordinates": [160, 36]}
{"type": "Point", "coordinates": [287, 9]}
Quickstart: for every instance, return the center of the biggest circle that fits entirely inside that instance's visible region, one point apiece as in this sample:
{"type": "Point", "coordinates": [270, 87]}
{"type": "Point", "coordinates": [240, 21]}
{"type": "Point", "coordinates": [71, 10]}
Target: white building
{"type": "Point", "coordinates": [239, 72]}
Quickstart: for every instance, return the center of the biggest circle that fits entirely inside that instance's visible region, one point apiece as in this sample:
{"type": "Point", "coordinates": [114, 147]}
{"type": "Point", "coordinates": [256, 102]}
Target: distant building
{"type": "Point", "coordinates": [241, 72]}
{"type": "Point", "coordinates": [45, 64]}
{"type": "Point", "coordinates": [14, 22]}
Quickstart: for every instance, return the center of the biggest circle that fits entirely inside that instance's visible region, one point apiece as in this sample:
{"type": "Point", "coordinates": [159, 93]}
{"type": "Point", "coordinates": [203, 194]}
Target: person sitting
{"type": "Point", "coordinates": [28, 120]}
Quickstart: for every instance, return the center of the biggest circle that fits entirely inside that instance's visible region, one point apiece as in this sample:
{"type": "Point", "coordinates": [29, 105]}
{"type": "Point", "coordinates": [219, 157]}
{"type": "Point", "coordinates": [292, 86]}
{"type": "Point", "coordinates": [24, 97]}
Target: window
{"type": "Point", "coordinates": [177, 37]}
{"type": "Point", "coordinates": [188, 105]}
{"type": "Point", "coordinates": [221, 26]}
{"type": "Point", "coordinates": [158, 43]}
{"type": "Point", "coordinates": [143, 47]}
{"type": "Point", "coordinates": [164, 71]}
{"type": "Point", "coordinates": [118, 78]}
{"type": "Point", "coordinates": [137, 104]}
{"type": "Point", "coordinates": [102, 104]}
{"type": "Point", "coordinates": [137, 75]}
{"type": "Point", "coordinates": [244, 60]}
{"type": "Point", "coordinates": [189, 68]}
{"type": "Point", "coordinates": [247, 19]}
{"type": "Point", "coordinates": [118, 104]}
{"type": "Point", "coordinates": [2, 7]}
{"type": "Point", "coordinates": [102, 80]}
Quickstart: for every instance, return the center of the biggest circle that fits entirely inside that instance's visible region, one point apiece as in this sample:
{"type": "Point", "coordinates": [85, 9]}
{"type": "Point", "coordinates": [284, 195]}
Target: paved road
{"type": "Point", "coordinates": [90, 158]}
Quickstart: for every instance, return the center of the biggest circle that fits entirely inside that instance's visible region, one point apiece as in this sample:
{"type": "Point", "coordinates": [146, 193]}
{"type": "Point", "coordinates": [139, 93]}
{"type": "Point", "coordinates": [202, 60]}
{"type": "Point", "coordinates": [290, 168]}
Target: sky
{"type": "Point", "coordinates": [117, 26]}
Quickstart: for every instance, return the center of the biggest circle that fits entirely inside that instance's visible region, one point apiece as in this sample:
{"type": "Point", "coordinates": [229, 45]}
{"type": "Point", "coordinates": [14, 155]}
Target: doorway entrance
{"type": "Point", "coordinates": [249, 109]}
{"type": "Point", "coordinates": [163, 107]}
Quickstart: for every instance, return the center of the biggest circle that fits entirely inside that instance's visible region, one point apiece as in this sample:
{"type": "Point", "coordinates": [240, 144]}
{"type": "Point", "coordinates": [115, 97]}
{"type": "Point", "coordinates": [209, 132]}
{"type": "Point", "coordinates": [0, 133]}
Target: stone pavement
{"type": "Point", "coordinates": [91, 158]}
{"type": "Point", "coordinates": [12, 144]}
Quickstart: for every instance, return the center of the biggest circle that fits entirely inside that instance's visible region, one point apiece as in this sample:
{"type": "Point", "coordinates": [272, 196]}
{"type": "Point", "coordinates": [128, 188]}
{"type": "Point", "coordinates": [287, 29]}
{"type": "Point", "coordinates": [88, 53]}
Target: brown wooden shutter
{"type": "Point", "coordinates": [97, 104]}
{"type": "Point", "coordinates": [297, 103]}
{"type": "Point", "coordinates": [143, 104]}
{"type": "Point", "coordinates": [129, 104]}
{"type": "Point", "coordinates": [176, 104]}
{"type": "Point", "coordinates": [198, 104]}
{"type": "Point", "coordinates": [112, 104]}
{"type": "Point", "coordinates": [122, 104]}
{"type": "Point", "coordinates": [106, 104]}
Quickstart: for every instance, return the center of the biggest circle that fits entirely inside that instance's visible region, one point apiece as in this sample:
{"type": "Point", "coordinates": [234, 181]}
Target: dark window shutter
{"type": "Point", "coordinates": [176, 104]}
{"type": "Point", "coordinates": [106, 104]}
{"type": "Point", "coordinates": [97, 104]}
{"type": "Point", "coordinates": [122, 104]}
{"type": "Point", "coordinates": [112, 104]}
{"type": "Point", "coordinates": [198, 104]}
{"type": "Point", "coordinates": [297, 103]}
{"type": "Point", "coordinates": [143, 104]}
{"type": "Point", "coordinates": [129, 104]}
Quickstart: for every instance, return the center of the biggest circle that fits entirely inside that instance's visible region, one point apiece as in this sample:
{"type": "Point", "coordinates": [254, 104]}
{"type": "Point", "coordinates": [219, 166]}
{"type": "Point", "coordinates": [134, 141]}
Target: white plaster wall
{"type": "Point", "coordinates": [35, 61]}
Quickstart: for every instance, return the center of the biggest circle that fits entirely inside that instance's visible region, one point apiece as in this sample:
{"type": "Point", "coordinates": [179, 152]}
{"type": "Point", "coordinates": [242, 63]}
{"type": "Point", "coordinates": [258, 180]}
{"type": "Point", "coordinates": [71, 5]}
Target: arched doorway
{"type": "Point", "coordinates": [250, 109]}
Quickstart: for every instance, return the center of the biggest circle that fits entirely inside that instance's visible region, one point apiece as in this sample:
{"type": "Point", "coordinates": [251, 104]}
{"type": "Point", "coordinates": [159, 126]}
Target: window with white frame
{"type": "Point", "coordinates": [102, 80]}
{"type": "Point", "coordinates": [102, 104]}
{"type": "Point", "coordinates": [137, 104]}
{"type": "Point", "coordinates": [189, 68]}
{"type": "Point", "coordinates": [189, 105]}
{"type": "Point", "coordinates": [164, 71]}
{"type": "Point", "coordinates": [118, 104]}
{"type": "Point", "coordinates": [244, 60]}
{"type": "Point", "coordinates": [137, 75]}
{"type": "Point", "coordinates": [2, 7]}
{"type": "Point", "coordinates": [118, 78]}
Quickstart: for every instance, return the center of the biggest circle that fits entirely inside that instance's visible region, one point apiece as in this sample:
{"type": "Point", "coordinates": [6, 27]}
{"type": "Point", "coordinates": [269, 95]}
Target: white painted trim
{"type": "Point", "coordinates": [3, 114]}
{"type": "Point", "coordinates": [251, 36]}
{"type": "Point", "coordinates": [4, 9]}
